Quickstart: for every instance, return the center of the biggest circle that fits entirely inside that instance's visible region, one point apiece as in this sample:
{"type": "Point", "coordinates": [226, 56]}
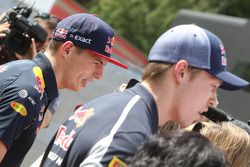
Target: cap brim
{"type": "Point", "coordinates": [113, 61]}
{"type": "Point", "coordinates": [231, 81]}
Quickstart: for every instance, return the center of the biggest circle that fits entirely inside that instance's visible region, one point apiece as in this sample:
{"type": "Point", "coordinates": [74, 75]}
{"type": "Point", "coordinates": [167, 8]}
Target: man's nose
{"type": "Point", "coordinates": [213, 101]}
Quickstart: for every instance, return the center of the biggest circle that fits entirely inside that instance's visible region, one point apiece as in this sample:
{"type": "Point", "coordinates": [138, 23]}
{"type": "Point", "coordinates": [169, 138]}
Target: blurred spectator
{"type": "Point", "coordinates": [178, 149]}
{"type": "Point", "coordinates": [232, 140]}
{"type": "Point", "coordinates": [48, 22]}
{"type": "Point", "coordinates": [218, 115]}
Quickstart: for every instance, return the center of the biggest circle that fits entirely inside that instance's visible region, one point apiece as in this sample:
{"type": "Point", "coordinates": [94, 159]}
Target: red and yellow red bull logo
{"type": "Point", "coordinates": [81, 116]}
{"type": "Point", "coordinates": [61, 33]}
{"type": "Point", "coordinates": [110, 44]}
{"type": "Point", "coordinates": [39, 78]}
{"type": "Point", "coordinates": [19, 108]}
{"type": "Point", "coordinates": [111, 41]}
{"type": "Point", "coordinates": [116, 162]}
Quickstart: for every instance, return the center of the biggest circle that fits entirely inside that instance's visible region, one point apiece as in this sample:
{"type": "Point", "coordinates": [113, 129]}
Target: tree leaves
{"type": "Point", "coordinates": [142, 21]}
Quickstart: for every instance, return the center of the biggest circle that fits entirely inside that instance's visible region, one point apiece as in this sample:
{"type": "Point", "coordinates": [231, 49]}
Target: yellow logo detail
{"type": "Point", "coordinates": [39, 77]}
{"type": "Point", "coordinates": [18, 107]}
{"type": "Point", "coordinates": [81, 116]}
{"type": "Point", "coordinates": [116, 162]}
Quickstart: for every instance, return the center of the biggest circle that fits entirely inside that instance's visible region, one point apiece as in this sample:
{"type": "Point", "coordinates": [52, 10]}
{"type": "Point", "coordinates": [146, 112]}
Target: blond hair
{"type": "Point", "coordinates": [154, 70]}
{"type": "Point", "coordinates": [234, 141]}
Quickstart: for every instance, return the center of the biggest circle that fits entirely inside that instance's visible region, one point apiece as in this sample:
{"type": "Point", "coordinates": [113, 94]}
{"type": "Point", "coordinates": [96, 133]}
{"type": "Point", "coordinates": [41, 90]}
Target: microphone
{"type": "Point", "coordinates": [217, 115]}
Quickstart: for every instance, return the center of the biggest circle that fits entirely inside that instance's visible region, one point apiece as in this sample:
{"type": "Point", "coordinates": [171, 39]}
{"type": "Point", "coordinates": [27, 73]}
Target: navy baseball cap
{"type": "Point", "coordinates": [201, 48]}
{"type": "Point", "coordinates": [87, 31]}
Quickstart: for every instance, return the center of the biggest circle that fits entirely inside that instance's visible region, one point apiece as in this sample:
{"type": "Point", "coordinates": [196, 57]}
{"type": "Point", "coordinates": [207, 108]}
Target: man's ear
{"type": "Point", "coordinates": [180, 70]}
{"type": "Point", "coordinates": [66, 48]}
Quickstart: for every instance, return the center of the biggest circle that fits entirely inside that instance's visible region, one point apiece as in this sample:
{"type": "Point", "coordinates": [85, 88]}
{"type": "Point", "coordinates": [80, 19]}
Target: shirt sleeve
{"type": "Point", "coordinates": [15, 105]}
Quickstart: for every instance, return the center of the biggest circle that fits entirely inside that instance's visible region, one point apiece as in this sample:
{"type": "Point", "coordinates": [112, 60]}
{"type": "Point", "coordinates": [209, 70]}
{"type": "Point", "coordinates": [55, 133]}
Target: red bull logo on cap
{"type": "Point", "coordinates": [111, 41]}
{"type": "Point", "coordinates": [222, 49]}
{"type": "Point", "coordinates": [110, 44]}
{"type": "Point", "coordinates": [61, 33]}
{"type": "Point", "coordinates": [223, 56]}
{"type": "Point", "coordinates": [223, 60]}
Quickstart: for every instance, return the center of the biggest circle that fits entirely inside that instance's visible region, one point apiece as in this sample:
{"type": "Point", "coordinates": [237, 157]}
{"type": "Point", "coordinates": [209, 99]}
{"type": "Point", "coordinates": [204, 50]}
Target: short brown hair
{"type": "Point", "coordinates": [234, 141]}
{"type": "Point", "coordinates": [154, 70]}
{"type": "Point", "coordinates": [54, 45]}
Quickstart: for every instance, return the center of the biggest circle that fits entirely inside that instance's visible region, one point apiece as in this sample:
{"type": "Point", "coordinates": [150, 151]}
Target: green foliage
{"type": "Point", "coordinates": [142, 21]}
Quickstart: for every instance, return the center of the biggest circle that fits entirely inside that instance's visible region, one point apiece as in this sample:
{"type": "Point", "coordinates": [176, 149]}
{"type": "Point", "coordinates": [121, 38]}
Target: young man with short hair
{"type": "Point", "coordinates": [81, 46]}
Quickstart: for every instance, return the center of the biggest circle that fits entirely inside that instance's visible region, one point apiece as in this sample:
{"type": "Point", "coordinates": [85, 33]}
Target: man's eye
{"type": "Point", "coordinates": [96, 62]}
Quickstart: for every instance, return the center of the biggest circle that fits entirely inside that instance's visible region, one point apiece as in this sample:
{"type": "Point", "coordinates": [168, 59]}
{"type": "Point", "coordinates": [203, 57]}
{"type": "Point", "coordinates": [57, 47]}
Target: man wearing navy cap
{"type": "Point", "coordinates": [81, 46]}
{"type": "Point", "coordinates": [187, 64]}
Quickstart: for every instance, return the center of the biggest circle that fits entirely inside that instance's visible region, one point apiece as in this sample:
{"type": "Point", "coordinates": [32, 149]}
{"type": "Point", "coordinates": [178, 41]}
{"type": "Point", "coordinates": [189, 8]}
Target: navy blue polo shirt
{"type": "Point", "coordinates": [26, 88]}
{"type": "Point", "coordinates": [112, 125]}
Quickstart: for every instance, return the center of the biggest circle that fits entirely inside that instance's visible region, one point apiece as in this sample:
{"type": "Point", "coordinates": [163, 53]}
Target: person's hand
{"type": "Point", "coordinates": [4, 27]}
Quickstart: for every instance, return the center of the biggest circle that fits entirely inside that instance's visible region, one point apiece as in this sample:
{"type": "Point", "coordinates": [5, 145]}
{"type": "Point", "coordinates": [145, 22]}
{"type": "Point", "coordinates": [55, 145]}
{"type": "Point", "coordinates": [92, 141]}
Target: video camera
{"type": "Point", "coordinates": [18, 38]}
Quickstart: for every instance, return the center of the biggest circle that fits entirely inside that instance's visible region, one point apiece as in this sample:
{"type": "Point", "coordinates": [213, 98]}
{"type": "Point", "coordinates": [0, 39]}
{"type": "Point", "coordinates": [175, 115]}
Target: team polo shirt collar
{"type": "Point", "coordinates": [149, 100]}
{"type": "Point", "coordinates": [49, 77]}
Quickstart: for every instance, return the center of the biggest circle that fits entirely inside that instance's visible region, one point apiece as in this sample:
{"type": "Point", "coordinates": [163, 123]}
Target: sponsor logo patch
{"type": "Point", "coordinates": [32, 101]}
{"type": "Point", "coordinates": [19, 108]}
{"type": "Point", "coordinates": [39, 79]}
{"type": "Point", "coordinates": [109, 45]}
{"type": "Point", "coordinates": [82, 39]}
{"type": "Point", "coordinates": [81, 116]}
{"type": "Point", "coordinates": [222, 50]}
{"type": "Point", "coordinates": [23, 93]}
{"type": "Point", "coordinates": [116, 162]}
{"type": "Point", "coordinates": [61, 33]}
{"type": "Point", "coordinates": [223, 60]}
{"type": "Point", "coordinates": [111, 41]}
{"type": "Point", "coordinates": [62, 139]}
